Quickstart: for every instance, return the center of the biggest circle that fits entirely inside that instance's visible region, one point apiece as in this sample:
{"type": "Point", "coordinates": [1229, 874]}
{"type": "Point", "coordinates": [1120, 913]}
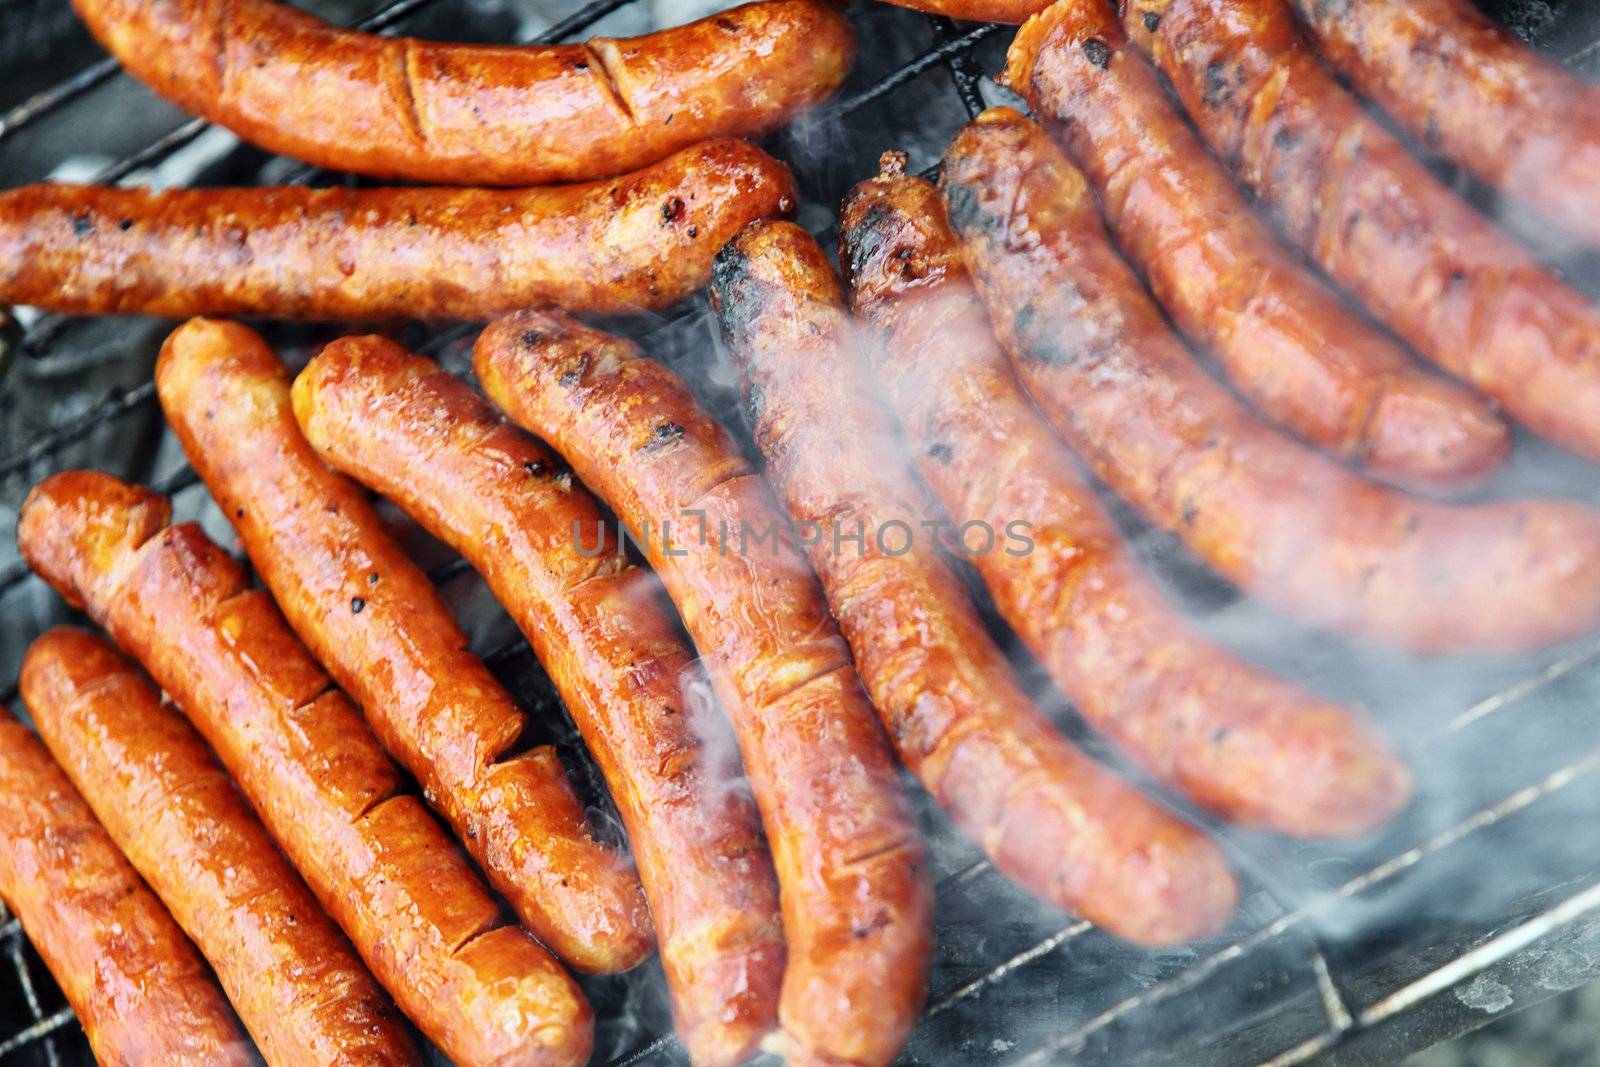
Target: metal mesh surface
{"type": "Point", "coordinates": [1484, 897]}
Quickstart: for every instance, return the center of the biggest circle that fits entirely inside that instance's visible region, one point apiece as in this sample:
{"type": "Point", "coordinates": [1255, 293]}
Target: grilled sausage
{"type": "Point", "coordinates": [1046, 814]}
{"type": "Point", "coordinates": [482, 990]}
{"type": "Point", "coordinates": [1272, 516]}
{"type": "Point", "coordinates": [1248, 746]}
{"type": "Point", "coordinates": [373, 618]}
{"type": "Point", "coordinates": [1288, 344]}
{"type": "Point", "coordinates": [142, 993]}
{"type": "Point", "coordinates": [1467, 87]}
{"type": "Point", "coordinates": [293, 977]}
{"type": "Point", "coordinates": [474, 114]}
{"type": "Point", "coordinates": [853, 887]}
{"type": "Point", "coordinates": [413, 432]}
{"type": "Point", "coordinates": [1436, 272]}
{"type": "Point", "coordinates": [644, 240]}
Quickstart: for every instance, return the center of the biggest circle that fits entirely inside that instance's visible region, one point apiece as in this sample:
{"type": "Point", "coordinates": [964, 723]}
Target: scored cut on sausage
{"type": "Point", "coordinates": [1235, 739]}
{"type": "Point", "coordinates": [1427, 265]}
{"type": "Point", "coordinates": [1272, 516]}
{"type": "Point", "coordinates": [139, 989]}
{"type": "Point", "coordinates": [482, 990]}
{"type": "Point", "coordinates": [1467, 87]}
{"type": "Point", "coordinates": [641, 241]}
{"type": "Point", "coordinates": [413, 432]}
{"type": "Point", "coordinates": [477, 114]}
{"type": "Point", "coordinates": [851, 869]}
{"type": "Point", "coordinates": [1047, 815]}
{"type": "Point", "coordinates": [374, 620]}
{"type": "Point", "coordinates": [293, 977]}
{"type": "Point", "coordinates": [1289, 344]}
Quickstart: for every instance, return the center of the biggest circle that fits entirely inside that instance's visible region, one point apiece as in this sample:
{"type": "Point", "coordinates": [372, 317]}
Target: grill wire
{"type": "Point", "coordinates": [1319, 963]}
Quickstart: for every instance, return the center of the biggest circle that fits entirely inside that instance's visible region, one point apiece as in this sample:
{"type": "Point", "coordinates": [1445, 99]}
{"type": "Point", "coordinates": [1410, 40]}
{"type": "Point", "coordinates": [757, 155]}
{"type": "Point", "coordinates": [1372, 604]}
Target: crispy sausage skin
{"type": "Point", "coordinates": [1461, 292]}
{"type": "Point", "coordinates": [1272, 516]}
{"type": "Point", "coordinates": [373, 618]}
{"type": "Point", "coordinates": [1248, 746]}
{"type": "Point", "coordinates": [851, 873]}
{"type": "Point", "coordinates": [1467, 87]}
{"type": "Point", "coordinates": [142, 993]}
{"type": "Point", "coordinates": [484, 991]}
{"type": "Point", "coordinates": [454, 114]}
{"type": "Point", "coordinates": [156, 788]}
{"type": "Point", "coordinates": [644, 240]}
{"type": "Point", "coordinates": [1288, 343]}
{"type": "Point", "coordinates": [1047, 815]}
{"type": "Point", "coordinates": [412, 431]}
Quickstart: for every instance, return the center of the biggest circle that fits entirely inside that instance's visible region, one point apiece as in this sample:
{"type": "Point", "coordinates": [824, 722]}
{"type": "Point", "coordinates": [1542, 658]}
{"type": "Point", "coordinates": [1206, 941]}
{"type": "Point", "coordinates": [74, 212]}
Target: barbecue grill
{"type": "Point", "coordinates": [1483, 898]}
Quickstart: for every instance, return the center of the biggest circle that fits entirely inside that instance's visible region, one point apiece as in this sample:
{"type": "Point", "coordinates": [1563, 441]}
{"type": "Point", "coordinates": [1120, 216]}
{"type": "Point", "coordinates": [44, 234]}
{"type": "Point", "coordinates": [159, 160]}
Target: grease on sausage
{"type": "Point", "coordinates": [1272, 516]}
{"type": "Point", "coordinates": [477, 114]}
{"type": "Point", "coordinates": [483, 991]}
{"type": "Point", "coordinates": [851, 871]}
{"type": "Point", "coordinates": [641, 241]}
{"type": "Point", "coordinates": [413, 432]}
{"type": "Point", "coordinates": [372, 617]}
{"type": "Point", "coordinates": [156, 788]}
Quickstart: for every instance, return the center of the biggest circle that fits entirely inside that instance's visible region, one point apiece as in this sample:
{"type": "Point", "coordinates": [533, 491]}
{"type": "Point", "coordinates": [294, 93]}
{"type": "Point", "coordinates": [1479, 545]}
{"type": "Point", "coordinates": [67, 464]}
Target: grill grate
{"type": "Point", "coordinates": [1355, 952]}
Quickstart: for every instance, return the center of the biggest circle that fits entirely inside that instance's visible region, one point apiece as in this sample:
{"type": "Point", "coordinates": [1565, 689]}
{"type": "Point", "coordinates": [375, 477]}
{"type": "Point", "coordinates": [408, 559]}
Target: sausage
{"type": "Point", "coordinates": [138, 987]}
{"type": "Point", "coordinates": [1288, 344]}
{"type": "Point", "coordinates": [644, 240]}
{"type": "Point", "coordinates": [1235, 739]}
{"type": "Point", "coordinates": [293, 977]}
{"type": "Point", "coordinates": [1272, 516]}
{"type": "Point", "coordinates": [410, 430]}
{"type": "Point", "coordinates": [484, 991]}
{"type": "Point", "coordinates": [1467, 87]}
{"type": "Point", "coordinates": [1340, 186]}
{"type": "Point", "coordinates": [457, 114]}
{"type": "Point", "coordinates": [373, 618]}
{"type": "Point", "coordinates": [856, 901]}
{"type": "Point", "coordinates": [1047, 815]}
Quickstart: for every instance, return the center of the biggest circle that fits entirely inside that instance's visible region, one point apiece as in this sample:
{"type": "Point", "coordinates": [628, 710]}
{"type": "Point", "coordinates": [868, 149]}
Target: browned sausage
{"type": "Point", "coordinates": [644, 240]}
{"type": "Point", "coordinates": [856, 900]}
{"type": "Point", "coordinates": [1469, 88]}
{"type": "Point", "coordinates": [370, 615]}
{"type": "Point", "coordinates": [1272, 516]}
{"type": "Point", "coordinates": [1237, 740]}
{"type": "Point", "coordinates": [1046, 814]}
{"type": "Point", "coordinates": [477, 114]}
{"type": "Point", "coordinates": [1289, 344]}
{"type": "Point", "coordinates": [484, 991]}
{"type": "Point", "coordinates": [144, 996]}
{"type": "Point", "coordinates": [156, 788]}
{"type": "Point", "coordinates": [1436, 272]}
{"type": "Point", "coordinates": [410, 430]}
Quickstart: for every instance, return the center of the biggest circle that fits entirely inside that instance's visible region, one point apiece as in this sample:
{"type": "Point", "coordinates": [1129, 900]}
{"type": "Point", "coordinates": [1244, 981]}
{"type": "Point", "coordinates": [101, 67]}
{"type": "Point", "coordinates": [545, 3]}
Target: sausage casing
{"type": "Point", "coordinates": [156, 788]}
{"type": "Point", "coordinates": [1046, 814]}
{"type": "Point", "coordinates": [413, 432]}
{"type": "Point", "coordinates": [1287, 342]}
{"type": "Point", "coordinates": [483, 991]}
{"type": "Point", "coordinates": [475, 114]}
{"type": "Point", "coordinates": [1467, 87]}
{"type": "Point", "coordinates": [1432, 269]}
{"type": "Point", "coordinates": [373, 618]}
{"type": "Point", "coordinates": [1272, 516]}
{"type": "Point", "coordinates": [641, 241]}
{"type": "Point", "coordinates": [1234, 738]}
{"type": "Point", "coordinates": [854, 892]}
{"type": "Point", "coordinates": [142, 993]}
